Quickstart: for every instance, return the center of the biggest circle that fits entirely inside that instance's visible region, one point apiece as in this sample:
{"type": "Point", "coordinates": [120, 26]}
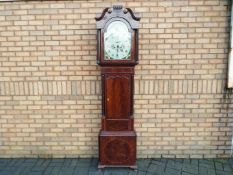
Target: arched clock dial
{"type": "Point", "coordinates": [117, 42]}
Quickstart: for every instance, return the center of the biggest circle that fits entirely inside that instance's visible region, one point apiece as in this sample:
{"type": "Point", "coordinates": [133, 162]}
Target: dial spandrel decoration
{"type": "Point", "coordinates": [117, 42]}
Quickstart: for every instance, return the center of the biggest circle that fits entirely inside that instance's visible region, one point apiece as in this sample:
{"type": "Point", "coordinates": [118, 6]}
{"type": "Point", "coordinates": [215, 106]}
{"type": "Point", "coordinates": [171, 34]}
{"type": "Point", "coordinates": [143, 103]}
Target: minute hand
{"type": "Point", "coordinates": [117, 49]}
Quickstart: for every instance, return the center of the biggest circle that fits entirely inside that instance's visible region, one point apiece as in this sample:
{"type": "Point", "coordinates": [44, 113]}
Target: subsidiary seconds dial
{"type": "Point", "coordinates": [117, 41]}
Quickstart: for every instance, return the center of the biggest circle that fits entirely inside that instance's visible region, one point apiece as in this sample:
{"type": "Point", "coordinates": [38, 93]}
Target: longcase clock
{"type": "Point", "coordinates": [117, 54]}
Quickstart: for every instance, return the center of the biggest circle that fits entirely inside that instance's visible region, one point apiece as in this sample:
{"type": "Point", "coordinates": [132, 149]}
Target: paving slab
{"type": "Point", "coordinates": [143, 164]}
{"type": "Point", "coordinates": [173, 164]}
{"type": "Point", "coordinates": [89, 166]}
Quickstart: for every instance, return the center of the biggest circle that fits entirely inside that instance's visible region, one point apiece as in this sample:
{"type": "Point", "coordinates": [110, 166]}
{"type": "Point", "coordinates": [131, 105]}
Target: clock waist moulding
{"type": "Point", "coordinates": [117, 54]}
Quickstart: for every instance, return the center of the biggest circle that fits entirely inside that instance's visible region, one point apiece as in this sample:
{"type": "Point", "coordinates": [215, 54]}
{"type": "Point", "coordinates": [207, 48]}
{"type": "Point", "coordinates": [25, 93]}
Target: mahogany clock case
{"type": "Point", "coordinates": [117, 138]}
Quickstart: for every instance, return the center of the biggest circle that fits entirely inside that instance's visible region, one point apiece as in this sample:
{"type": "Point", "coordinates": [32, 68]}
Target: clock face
{"type": "Point", "coordinates": [117, 42]}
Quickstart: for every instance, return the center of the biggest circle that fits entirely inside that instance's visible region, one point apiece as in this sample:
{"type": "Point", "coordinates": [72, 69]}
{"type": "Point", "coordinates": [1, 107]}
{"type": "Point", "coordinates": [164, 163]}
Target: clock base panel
{"type": "Point", "coordinates": [117, 148]}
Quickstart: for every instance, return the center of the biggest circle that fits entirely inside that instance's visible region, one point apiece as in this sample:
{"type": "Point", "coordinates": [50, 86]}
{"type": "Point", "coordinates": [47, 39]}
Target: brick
{"type": "Point", "coordinates": [50, 83]}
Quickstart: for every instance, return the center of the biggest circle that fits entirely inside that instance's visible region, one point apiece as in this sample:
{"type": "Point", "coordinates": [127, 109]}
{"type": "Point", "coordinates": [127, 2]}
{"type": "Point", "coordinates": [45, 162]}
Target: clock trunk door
{"type": "Point", "coordinates": [118, 96]}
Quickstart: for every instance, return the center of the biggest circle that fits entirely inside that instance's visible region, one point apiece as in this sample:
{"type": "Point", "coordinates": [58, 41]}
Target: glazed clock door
{"type": "Point", "coordinates": [117, 41]}
{"type": "Point", "coordinates": [118, 96]}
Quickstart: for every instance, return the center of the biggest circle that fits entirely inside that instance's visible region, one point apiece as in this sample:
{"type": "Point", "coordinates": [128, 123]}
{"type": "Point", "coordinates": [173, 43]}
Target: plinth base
{"type": "Point", "coordinates": [117, 149]}
{"type": "Point", "coordinates": [134, 167]}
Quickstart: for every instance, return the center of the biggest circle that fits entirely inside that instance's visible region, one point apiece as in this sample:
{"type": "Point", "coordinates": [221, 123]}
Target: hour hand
{"type": "Point", "coordinates": [113, 46]}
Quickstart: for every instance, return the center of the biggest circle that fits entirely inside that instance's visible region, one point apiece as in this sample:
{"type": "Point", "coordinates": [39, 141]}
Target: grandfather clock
{"type": "Point", "coordinates": [117, 54]}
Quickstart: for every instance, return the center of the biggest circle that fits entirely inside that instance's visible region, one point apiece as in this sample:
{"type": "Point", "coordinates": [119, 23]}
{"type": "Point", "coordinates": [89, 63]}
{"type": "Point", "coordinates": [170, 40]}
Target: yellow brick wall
{"type": "Point", "coordinates": [50, 89]}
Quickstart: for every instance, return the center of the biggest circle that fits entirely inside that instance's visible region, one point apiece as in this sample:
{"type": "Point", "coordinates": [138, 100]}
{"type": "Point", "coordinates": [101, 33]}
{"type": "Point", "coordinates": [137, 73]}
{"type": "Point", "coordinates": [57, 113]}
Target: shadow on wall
{"type": "Point", "coordinates": [227, 107]}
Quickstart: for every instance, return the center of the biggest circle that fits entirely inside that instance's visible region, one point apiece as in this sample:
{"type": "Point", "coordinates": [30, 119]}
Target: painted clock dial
{"type": "Point", "coordinates": [117, 42]}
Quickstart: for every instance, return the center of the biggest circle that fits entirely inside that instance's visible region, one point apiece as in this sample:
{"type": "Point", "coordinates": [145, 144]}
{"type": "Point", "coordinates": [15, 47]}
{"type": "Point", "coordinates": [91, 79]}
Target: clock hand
{"type": "Point", "coordinates": [117, 50]}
